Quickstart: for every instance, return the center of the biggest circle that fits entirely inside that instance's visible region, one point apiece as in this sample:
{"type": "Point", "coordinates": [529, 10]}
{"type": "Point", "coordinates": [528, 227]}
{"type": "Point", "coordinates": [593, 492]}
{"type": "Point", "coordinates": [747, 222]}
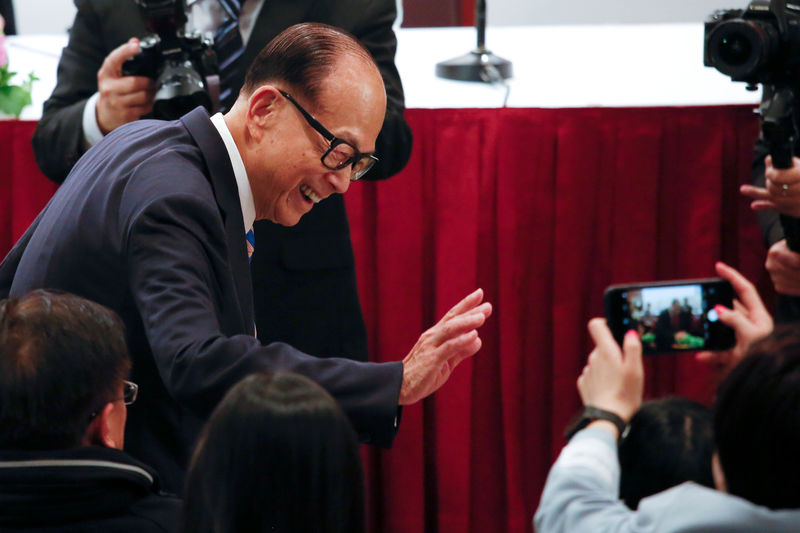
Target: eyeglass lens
{"type": "Point", "coordinates": [342, 155]}
{"type": "Point", "coordinates": [130, 393]}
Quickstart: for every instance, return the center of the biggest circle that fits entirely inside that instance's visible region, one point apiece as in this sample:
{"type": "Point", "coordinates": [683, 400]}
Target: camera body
{"type": "Point", "coordinates": [180, 62]}
{"type": "Point", "coordinates": [759, 44]}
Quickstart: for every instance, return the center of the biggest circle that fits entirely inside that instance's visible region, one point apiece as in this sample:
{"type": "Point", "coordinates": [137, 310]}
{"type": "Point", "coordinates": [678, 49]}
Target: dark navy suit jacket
{"type": "Point", "coordinates": [149, 223]}
{"type": "Point", "coordinates": [304, 279]}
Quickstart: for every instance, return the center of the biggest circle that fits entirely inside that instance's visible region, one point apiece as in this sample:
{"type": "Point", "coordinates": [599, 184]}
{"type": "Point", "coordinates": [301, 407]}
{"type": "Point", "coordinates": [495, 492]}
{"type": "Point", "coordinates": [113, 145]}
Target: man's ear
{"type": "Point", "coordinates": [261, 108]}
{"type": "Point", "coordinates": [718, 474]}
{"type": "Point", "coordinates": [101, 431]}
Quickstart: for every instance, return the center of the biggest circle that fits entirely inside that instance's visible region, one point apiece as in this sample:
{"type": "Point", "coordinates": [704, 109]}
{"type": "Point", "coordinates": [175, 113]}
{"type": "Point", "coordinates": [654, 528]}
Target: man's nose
{"type": "Point", "coordinates": [340, 179]}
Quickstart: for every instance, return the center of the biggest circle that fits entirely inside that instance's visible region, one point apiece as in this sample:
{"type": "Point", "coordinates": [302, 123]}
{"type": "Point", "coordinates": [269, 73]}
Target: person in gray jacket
{"type": "Point", "coordinates": [756, 434]}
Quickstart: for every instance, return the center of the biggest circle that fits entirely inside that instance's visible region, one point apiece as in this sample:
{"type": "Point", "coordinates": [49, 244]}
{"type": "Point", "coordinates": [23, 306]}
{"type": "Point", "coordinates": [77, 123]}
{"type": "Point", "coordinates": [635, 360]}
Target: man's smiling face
{"type": "Point", "coordinates": [287, 176]}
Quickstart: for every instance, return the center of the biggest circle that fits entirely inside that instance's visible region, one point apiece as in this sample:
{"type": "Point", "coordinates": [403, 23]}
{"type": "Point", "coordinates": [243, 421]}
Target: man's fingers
{"type": "Point", "coordinates": [462, 347]}
{"type": "Point", "coordinates": [112, 64]}
{"type": "Point", "coordinates": [460, 324]}
{"type": "Point", "coordinates": [780, 256]}
{"type": "Point", "coordinates": [139, 99]}
{"type": "Point", "coordinates": [470, 301]}
{"type": "Point", "coordinates": [756, 193]}
{"type": "Point", "coordinates": [763, 205]}
{"type": "Point", "coordinates": [602, 337]}
{"type": "Point", "coordinates": [129, 85]}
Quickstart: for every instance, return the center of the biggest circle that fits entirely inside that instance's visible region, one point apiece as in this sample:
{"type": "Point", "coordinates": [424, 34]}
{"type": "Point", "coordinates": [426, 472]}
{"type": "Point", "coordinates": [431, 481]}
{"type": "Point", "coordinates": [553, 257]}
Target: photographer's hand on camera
{"type": "Point", "coordinates": [783, 266]}
{"type": "Point", "coordinates": [749, 318]}
{"type": "Point", "coordinates": [122, 99]}
{"type": "Point", "coordinates": [613, 378]}
{"type": "Point", "coordinates": [782, 190]}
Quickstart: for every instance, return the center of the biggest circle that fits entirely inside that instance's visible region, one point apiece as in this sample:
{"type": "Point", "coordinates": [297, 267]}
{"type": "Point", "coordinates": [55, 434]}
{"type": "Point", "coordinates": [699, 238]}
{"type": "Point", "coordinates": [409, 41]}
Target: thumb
{"type": "Point", "coordinates": [112, 65]}
{"type": "Point", "coordinates": [632, 352]}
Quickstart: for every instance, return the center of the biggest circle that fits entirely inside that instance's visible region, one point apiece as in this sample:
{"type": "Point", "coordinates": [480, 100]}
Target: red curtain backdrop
{"type": "Point", "coordinates": [543, 208]}
{"type": "Point", "coordinates": [24, 191]}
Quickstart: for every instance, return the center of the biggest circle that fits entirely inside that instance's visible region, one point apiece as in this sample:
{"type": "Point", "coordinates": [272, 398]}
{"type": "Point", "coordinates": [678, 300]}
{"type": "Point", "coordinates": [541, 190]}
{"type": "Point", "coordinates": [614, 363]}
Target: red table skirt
{"type": "Point", "coordinates": [543, 209]}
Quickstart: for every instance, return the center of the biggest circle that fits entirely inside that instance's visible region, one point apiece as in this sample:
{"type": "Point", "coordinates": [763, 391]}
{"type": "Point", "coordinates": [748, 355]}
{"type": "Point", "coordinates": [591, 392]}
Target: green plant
{"type": "Point", "coordinates": [13, 98]}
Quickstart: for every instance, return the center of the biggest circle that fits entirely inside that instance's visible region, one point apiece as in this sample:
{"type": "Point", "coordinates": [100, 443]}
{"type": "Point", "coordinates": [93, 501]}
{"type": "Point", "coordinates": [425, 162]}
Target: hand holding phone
{"type": "Point", "coordinates": [749, 318]}
{"type": "Point", "coordinates": [672, 316]}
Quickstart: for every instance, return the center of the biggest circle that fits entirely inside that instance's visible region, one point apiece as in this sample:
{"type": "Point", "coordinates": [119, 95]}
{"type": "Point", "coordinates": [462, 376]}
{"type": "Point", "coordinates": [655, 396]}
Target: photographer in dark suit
{"type": "Point", "coordinates": [304, 276]}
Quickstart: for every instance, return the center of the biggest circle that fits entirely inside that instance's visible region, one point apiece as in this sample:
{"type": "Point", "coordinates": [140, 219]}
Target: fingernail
{"type": "Point", "coordinates": [632, 332]}
{"type": "Point", "coordinates": [720, 309]}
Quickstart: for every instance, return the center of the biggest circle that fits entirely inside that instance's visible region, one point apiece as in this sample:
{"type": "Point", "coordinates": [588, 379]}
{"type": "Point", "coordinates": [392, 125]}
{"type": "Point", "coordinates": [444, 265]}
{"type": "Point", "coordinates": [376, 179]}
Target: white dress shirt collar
{"type": "Point", "coordinates": [242, 182]}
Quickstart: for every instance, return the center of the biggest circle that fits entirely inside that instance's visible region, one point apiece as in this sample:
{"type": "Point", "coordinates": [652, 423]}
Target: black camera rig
{"type": "Point", "coordinates": [183, 64]}
{"type": "Point", "coordinates": [761, 45]}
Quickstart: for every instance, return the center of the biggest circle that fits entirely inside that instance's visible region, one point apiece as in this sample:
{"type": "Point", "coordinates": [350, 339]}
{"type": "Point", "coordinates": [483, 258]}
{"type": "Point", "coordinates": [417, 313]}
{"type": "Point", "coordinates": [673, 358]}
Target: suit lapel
{"type": "Point", "coordinates": [227, 194]}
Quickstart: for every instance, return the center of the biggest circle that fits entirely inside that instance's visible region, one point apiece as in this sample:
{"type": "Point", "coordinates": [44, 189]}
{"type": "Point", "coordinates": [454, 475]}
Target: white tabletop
{"type": "Point", "coordinates": [554, 66]}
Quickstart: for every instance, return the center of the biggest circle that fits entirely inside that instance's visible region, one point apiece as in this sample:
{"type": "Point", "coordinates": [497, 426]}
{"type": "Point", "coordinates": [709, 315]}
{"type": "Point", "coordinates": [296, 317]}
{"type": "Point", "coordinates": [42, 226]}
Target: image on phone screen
{"type": "Point", "coordinates": [671, 317]}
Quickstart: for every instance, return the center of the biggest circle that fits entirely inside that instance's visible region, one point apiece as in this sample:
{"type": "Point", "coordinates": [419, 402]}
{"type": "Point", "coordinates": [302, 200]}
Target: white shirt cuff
{"type": "Point", "coordinates": [91, 131]}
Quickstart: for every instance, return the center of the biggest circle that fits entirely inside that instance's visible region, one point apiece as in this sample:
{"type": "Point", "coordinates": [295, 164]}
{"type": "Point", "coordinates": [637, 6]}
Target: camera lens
{"type": "Point", "coordinates": [735, 49]}
{"type": "Point", "coordinates": [740, 48]}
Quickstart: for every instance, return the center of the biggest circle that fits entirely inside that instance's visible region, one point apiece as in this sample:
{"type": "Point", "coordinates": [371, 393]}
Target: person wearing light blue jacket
{"type": "Point", "coordinates": [756, 433]}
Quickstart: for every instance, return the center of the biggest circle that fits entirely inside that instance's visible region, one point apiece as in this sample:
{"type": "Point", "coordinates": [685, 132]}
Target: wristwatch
{"type": "Point", "coordinates": [589, 415]}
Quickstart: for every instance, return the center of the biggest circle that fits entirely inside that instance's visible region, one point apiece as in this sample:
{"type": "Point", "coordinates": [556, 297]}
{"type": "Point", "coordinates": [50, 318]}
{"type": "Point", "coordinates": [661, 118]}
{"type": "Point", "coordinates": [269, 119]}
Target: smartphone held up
{"type": "Point", "coordinates": [671, 316]}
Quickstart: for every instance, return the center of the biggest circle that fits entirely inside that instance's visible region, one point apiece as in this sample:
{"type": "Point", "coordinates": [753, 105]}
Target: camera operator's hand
{"type": "Point", "coordinates": [613, 378]}
{"type": "Point", "coordinates": [749, 319]}
{"type": "Point", "coordinates": [122, 99]}
{"type": "Point", "coordinates": [782, 190]}
{"type": "Point", "coordinates": [783, 266]}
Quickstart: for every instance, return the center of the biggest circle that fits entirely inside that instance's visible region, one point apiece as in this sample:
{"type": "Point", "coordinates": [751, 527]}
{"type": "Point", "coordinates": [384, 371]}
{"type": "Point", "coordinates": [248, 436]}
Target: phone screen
{"type": "Point", "coordinates": [676, 316]}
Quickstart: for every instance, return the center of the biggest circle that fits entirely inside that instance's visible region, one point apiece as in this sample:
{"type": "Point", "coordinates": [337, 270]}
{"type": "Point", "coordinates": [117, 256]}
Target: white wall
{"type": "Point", "coordinates": [522, 12]}
{"type": "Point", "coordinates": [54, 16]}
{"type": "Point", "coordinates": [43, 16]}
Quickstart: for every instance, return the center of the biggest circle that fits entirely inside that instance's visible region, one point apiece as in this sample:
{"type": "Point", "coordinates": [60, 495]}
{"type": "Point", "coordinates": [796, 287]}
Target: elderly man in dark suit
{"type": "Point", "coordinates": [306, 299]}
{"type": "Point", "coordinates": [151, 222]}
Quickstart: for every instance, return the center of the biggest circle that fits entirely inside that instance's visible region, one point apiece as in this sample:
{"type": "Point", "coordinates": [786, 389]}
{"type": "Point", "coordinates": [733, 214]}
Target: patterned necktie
{"type": "Point", "coordinates": [251, 243]}
{"type": "Point", "coordinates": [229, 47]}
{"type": "Point", "coordinates": [250, 237]}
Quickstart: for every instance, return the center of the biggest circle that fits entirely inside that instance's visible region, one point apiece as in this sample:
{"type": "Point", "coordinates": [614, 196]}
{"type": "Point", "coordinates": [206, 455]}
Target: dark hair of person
{"type": "Point", "coordinates": [757, 422]}
{"type": "Point", "coordinates": [277, 455]}
{"type": "Point", "coordinates": [302, 56]}
{"type": "Point", "coordinates": [669, 441]}
{"type": "Point", "coordinates": [61, 358]}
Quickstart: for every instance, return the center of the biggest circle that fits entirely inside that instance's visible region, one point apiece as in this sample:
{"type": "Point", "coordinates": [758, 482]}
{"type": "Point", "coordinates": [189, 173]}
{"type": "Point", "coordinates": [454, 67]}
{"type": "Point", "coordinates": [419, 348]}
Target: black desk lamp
{"type": "Point", "coordinates": [480, 64]}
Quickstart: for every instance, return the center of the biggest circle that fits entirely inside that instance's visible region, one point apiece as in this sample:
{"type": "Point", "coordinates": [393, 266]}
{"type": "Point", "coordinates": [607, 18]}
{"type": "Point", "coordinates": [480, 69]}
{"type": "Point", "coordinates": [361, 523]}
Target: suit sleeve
{"type": "Point", "coordinates": [178, 293]}
{"type": "Point", "coordinates": [58, 139]}
{"type": "Point", "coordinates": [375, 32]}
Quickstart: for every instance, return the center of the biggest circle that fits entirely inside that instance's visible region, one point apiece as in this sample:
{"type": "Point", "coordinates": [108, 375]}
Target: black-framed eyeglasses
{"type": "Point", "coordinates": [340, 153]}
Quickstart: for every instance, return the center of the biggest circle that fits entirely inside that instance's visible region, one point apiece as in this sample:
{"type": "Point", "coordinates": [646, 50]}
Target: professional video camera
{"type": "Point", "coordinates": [761, 44]}
{"type": "Point", "coordinates": [180, 62]}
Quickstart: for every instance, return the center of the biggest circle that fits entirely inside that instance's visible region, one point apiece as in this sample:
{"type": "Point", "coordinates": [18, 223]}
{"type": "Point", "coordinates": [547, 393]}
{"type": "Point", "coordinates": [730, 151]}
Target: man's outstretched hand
{"type": "Point", "coordinates": [441, 348]}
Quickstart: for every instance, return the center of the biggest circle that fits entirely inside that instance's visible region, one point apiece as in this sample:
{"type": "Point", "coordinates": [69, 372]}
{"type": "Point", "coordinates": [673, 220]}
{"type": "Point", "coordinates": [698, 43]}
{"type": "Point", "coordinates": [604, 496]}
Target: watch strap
{"type": "Point", "coordinates": [589, 415]}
